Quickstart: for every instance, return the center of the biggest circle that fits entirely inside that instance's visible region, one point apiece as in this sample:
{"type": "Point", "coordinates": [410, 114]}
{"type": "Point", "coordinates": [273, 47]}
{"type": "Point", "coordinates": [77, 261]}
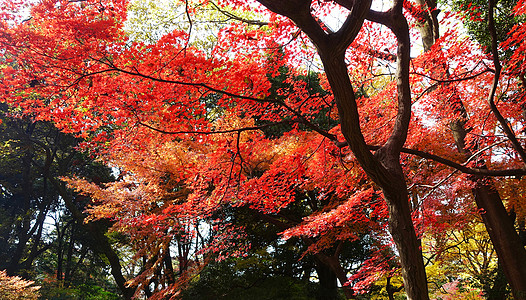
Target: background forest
{"type": "Point", "coordinates": [262, 149]}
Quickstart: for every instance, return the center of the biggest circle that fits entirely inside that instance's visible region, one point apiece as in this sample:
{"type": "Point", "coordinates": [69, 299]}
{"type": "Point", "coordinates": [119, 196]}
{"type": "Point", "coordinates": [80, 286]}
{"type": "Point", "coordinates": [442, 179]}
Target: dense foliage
{"type": "Point", "coordinates": [252, 149]}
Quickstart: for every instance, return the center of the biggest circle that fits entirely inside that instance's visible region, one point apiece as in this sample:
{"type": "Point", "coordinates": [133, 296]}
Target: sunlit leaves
{"type": "Point", "coordinates": [16, 288]}
{"type": "Point", "coordinates": [204, 107]}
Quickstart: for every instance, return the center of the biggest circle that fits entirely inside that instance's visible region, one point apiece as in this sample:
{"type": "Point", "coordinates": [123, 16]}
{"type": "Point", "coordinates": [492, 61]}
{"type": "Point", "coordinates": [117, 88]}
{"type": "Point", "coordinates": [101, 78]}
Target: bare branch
{"type": "Point", "coordinates": [237, 18]}
{"type": "Point", "coordinates": [460, 167]}
{"type": "Point", "coordinates": [496, 62]}
{"type": "Point", "coordinates": [455, 79]}
{"type": "Point", "coordinates": [237, 130]}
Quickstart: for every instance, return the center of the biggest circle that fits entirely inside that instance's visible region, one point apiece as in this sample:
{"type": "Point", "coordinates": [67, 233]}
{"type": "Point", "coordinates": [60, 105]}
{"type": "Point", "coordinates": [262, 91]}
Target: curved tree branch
{"type": "Point", "coordinates": [462, 168]}
{"type": "Point", "coordinates": [491, 98]}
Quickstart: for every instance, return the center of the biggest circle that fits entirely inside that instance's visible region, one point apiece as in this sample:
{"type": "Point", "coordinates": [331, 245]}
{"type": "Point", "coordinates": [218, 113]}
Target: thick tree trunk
{"type": "Point", "coordinates": [500, 227]}
{"type": "Point", "coordinates": [332, 263]}
{"type": "Point", "coordinates": [408, 245]}
{"type": "Point", "coordinates": [506, 241]}
{"type": "Point", "coordinates": [384, 167]}
{"type": "Point", "coordinates": [328, 287]}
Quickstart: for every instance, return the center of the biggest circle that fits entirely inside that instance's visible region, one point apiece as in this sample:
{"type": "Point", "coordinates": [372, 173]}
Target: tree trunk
{"type": "Point", "coordinates": [60, 256]}
{"type": "Point", "coordinates": [332, 263]}
{"type": "Point", "coordinates": [504, 237]}
{"type": "Point", "coordinates": [69, 257]}
{"type": "Point", "coordinates": [328, 287]}
{"type": "Point", "coordinates": [99, 242]}
{"type": "Point", "coordinates": [390, 289]}
{"type": "Point", "coordinates": [506, 241]}
{"type": "Point", "coordinates": [170, 275]}
{"type": "Point", "coordinates": [408, 245]}
{"type": "Point", "coordinates": [386, 171]}
{"type": "Point", "coordinates": [384, 167]}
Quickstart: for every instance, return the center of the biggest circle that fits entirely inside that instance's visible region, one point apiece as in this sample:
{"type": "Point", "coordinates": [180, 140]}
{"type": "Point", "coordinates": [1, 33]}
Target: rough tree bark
{"type": "Point", "coordinates": [383, 167]}
{"type": "Point", "coordinates": [505, 239]}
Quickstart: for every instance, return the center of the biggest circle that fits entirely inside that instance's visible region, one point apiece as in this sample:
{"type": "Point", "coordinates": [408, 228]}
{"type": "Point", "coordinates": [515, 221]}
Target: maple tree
{"type": "Point", "coordinates": [14, 287]}
{"type": "Point", "coordinates": [500, 226]}
{"type": "Point", "coordinates": [190, 127]}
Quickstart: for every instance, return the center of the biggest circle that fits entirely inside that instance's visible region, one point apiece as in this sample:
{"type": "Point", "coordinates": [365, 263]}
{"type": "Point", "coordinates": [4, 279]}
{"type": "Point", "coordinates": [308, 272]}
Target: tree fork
{"type": "Point", "coordinates": [383, 167]}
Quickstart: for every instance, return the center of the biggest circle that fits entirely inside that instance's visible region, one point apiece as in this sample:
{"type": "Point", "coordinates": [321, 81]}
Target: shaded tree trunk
{"type": "Point", "coordinates": [507, 243]}
{"type": "Point", "coordinates": [99, 242]}
{"type": "Point", "coordinates": [384, 166]}
{"type": "Point", "coordinates": [390, 289]}
{"type": "Point", "coordinates": [69, 257]}
{"type": "Point", "coordinates": [60, 257]}
{"type": "Point", "coordinates": [24, 228]}
{"type": "Point", "coordinates": [500, 227]}
{"type": "Point", "coordinates": [328, 287]}
{"type": "Point", "coordinates": [36, 250]}
{"type": "Point", "coordinates": [332, 263]}
{"type": "Point", "coordinates": [80, 261]}
{"type": "Point", "coordinates": [498, 289]}
{"type": "Point", "coordinates": [170, 275]}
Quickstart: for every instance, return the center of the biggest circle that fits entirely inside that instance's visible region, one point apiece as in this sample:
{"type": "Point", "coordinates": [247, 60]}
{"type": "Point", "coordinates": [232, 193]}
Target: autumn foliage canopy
{"type": "Point", "coordinates": [243, 105]}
